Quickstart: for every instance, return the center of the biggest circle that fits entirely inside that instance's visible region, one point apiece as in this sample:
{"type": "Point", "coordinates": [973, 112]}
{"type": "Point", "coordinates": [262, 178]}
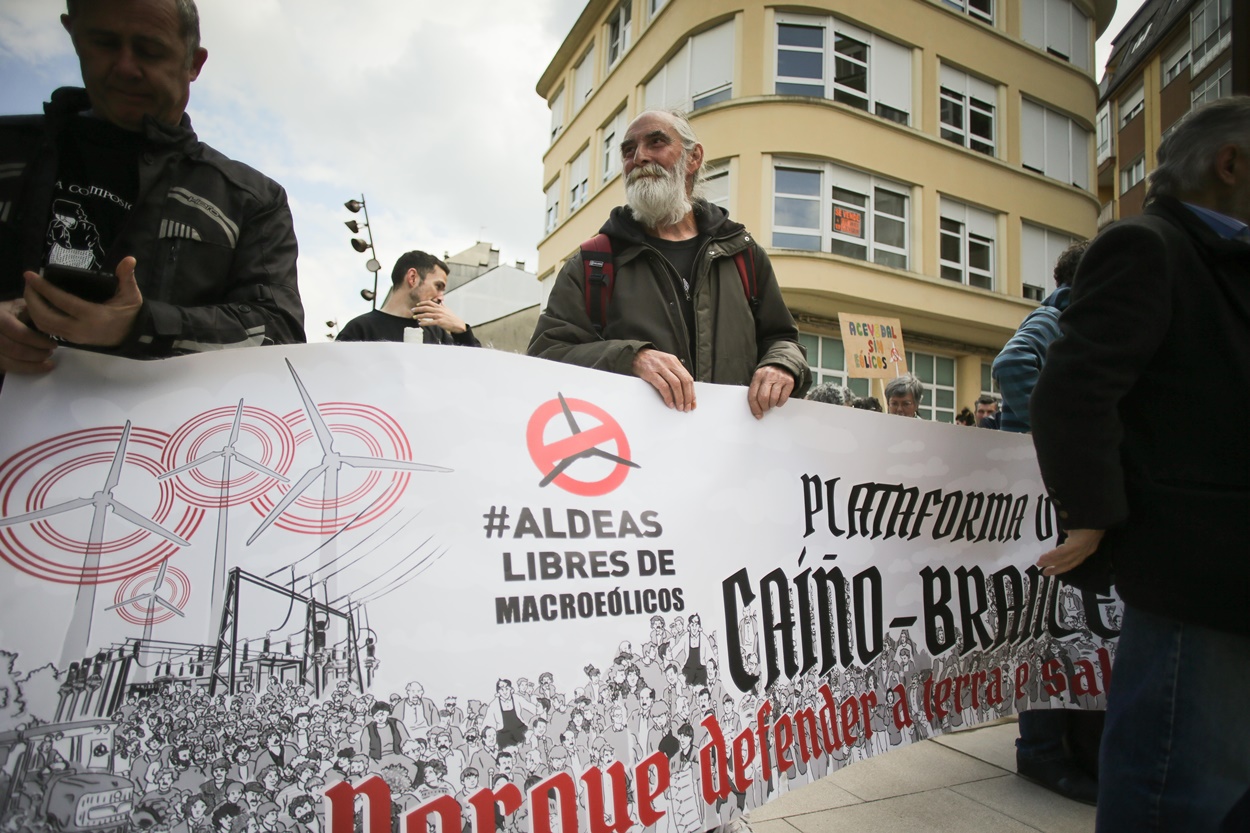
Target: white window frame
{"type": "Point", "coordinates": [1132, 104]}
{"type": "Point", "coordinates": [1059, 28]}
{"type": "Point", "coordinates": [970, 230]}
{"type": "Point", "coordinates": [836, 181]}
{"type": "Point", "coordinates": [1132, 173]}
{"type": "Point", "coordinates": [699, 74]}
{"type": "Point", "coordinates": [974, 9]}
{"type": "Point", "coordinates": [965, 96]}
{"type": "Point", "coordinates": [584, 79]}
{"type": "Point", "coordinates": [921, 365]}
{"type": "Point", "coordinates": [887, 89]}
{"type": "Point", "coordinates": [1103, 133]}
{"type": "Point", "coordinates": [1040, 248]}
{"type": "Point", "coordinates": [717, 185]}
{"type": "Point", "coordinates": [552, 217]}
{"type": "Point", "coordinates": [557, 114]}
{"type": "Point", "coordinates": [579, 180]}
{"type": "Point", "coordinates": [1175, 63]}
{"type": "Point", "coordinates": [610, 145]}
{"type": "Point", "coordinates": [1051, 143]}
{"type": "Point", "coordinates": [1221, 77]}
{"type": "Point", "coordinates": [617, 34]}
{"type": "Point", "coordinates": [1210, 33]}
{"type": "Point", "coordinates": [826, 358]}
{"type": "Point", "coordinates": [654, 7]}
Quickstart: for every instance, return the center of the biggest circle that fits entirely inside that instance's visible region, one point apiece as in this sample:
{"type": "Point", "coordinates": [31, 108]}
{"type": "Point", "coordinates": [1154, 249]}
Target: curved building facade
{"type": "Point", "coordinates": [924, 160]}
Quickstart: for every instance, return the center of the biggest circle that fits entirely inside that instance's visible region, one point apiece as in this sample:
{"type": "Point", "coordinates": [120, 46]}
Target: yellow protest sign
{"type": "Point", "coordinates": [874, 346]}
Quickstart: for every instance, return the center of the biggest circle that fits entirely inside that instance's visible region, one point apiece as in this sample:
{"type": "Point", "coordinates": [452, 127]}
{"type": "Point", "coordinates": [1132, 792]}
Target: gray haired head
{"type": "Point", "coordinates": [681, 124]}
{"type": "Point", "coordinates": [1186, 157]}
{"type": "Point", "coordinates": [830, 393]}
{"type": "Point", "coordinates": [188, 21]}
{"type": "Point", "coordinates": [905, 385]}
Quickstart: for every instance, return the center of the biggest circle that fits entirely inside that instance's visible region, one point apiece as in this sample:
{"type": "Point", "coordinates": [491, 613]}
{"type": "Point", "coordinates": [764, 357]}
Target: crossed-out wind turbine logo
{"type": "Point", "coordinates": [558, 455]}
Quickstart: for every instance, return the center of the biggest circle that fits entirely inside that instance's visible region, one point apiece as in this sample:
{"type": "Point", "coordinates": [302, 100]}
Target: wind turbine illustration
{"type": "Point", "coordinates": [153, 598]}
{"type": "Point", "coordinates": [102, 501]}
{"type": "Point", "coordinates": [228, 455]}
{"type": "Point", "coordinates": [331, 463]}
{"type": "Point", "coordinates": [589, 452]}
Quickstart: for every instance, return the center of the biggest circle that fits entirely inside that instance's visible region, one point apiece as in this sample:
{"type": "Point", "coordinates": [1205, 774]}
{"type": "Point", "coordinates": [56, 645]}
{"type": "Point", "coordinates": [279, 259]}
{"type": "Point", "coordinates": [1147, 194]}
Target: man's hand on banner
{"type": "Point", "coordinates": [665, 372]}
{"type": "Point", "coordinates": [1080, 545]}
{"type": "Point", "coordinates": [770, 388]}
{"type": "Point", "coordinates": [23, 349]}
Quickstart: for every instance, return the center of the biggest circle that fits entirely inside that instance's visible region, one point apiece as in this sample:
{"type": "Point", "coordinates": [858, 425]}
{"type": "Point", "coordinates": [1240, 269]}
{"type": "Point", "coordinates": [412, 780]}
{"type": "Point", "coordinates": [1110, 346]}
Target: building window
{"type": "Point", "coordinates": [584, 79]}
{"type": "Point", "coordinates": [1131, 105]}
{"type": "Point", "coordinates": [1039, 249]}
{"type": "Point", "coordinates": [980, 9]}
{"type": "Point", "coordinates": [1059, 27]}
{"type": "Point", "coordinates": [1210, 32]}
{"type": "Point", "coordinates": [989, 385]}
{"type": "Point", "coordinates": [1132, 174]}
{"type": "Point", "coordinates": [618, 32]}
{"type": "Point", "coordinates": [1175, 63]}
{"type": "Point", "coordinates": [827, 359]}
{"type": "Point", "coordinates": [700, 74]}
{"type": "Point", "coordinates": [967, 244]}
{"type": "Point", "coordinates": [828, 208]}
{"type": "Point", "coordinates": [553, 207]}
{"type": "Point", "coordinates": [613, 132]}
{"type": "Point", "coordinates": [1054, 145]}
{"type": "Point", "coordinates": [716, 184]}
{"type": "Point", "coordinates": [967, 110]}
{"type": "Point", "coordinates": [579, 180]}
{"type": "Point", "coordinates": [1218, 85]}
{"type": "Point", "coordinates": [864, 70]}
{"type": "Point", "coordinates": [653, 6]}
{"type": "Point", "coordinates": [1103, 131]}
{"type": "Point", "coordinates": [937, 374]}
{"type": "Point", "coordinates": [557, 114]}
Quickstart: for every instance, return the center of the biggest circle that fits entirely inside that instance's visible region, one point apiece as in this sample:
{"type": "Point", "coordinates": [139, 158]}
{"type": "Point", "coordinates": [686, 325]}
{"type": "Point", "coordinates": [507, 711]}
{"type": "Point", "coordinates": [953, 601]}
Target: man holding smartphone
{"type": "Point", "coordinates": [121, 231]}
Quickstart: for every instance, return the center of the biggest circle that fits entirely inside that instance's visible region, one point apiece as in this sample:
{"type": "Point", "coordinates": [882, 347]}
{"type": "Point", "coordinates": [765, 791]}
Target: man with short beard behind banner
{"type": "Point", "coordinates": [685, 293]}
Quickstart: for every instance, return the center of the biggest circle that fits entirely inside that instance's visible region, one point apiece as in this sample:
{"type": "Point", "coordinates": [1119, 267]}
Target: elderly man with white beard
{"type": "Point", "coordinates": [685, 293]}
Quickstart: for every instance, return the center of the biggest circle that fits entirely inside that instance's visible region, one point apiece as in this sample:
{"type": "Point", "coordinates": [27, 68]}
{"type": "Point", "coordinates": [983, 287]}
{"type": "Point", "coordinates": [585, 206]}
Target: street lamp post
{"type": "Point", "coordinates": [372, 264]}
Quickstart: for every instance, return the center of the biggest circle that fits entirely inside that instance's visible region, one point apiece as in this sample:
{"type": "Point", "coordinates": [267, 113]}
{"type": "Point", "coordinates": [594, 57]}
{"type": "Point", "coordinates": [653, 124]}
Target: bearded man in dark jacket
{"type": "Point", "coordinates": [678, 312]}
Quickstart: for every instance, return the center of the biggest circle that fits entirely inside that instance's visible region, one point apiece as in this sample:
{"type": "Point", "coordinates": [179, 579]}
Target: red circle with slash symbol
{"type": "Point", "coordinates": [547, 456]}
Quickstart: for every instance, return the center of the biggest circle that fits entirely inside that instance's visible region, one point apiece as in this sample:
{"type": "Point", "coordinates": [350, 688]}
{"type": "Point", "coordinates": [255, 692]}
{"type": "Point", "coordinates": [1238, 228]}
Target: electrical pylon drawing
{"type": "Point", "coordinates": [328, 469]}
{"type": "Point", "coordinates": [78, 636]}
{"type": "Point", "coordinates": [228, 455]}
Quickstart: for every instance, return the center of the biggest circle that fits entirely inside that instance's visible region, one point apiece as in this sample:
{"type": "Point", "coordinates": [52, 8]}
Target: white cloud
{"type": "Point", "coordinates": [1014, 452]}
{"type": "Point", "coordinates": [907, 447]}
{"type": "Point", "coordinates": [933, 468]}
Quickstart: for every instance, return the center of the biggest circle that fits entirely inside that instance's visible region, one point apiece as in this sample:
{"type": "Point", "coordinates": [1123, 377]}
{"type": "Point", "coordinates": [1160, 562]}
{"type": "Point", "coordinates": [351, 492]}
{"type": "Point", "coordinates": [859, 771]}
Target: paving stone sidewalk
{"type": "Point", "coordinates": [964, 782]}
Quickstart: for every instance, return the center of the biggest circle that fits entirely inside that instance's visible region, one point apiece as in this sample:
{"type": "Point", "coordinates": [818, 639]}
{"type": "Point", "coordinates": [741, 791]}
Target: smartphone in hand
{"type": "Point", "coordinates": [89, 284]}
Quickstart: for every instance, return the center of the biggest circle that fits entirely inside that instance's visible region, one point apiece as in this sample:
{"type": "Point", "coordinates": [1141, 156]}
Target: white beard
{"type": "Point", "coordinates": [657, 197]}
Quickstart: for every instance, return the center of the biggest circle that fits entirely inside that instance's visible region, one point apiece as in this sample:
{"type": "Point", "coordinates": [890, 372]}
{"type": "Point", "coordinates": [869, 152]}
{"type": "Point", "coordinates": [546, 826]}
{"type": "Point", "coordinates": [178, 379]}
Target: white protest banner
{"type": "Point", "coordinates": [446, 583]}
{"type": "Point", "coordinates": [874, 346]}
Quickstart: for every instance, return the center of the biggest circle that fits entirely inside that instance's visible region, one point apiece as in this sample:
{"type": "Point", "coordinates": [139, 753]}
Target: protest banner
{"type": "Point", "coordinates": [874, 346]}
{"type": "Point", "coordinates": [291, 580]}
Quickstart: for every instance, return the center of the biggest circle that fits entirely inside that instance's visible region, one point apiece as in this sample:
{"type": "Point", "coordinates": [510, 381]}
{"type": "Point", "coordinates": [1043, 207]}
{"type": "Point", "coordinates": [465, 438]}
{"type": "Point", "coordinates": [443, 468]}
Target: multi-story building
{"type": "Point", "coordinates": [924, 160]}
{"type": "Point", "coordinates": [1172, 56]}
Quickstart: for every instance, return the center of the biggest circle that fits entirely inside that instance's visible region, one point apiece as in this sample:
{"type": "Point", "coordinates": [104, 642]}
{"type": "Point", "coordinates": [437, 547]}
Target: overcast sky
{"type": "Point", "coordinates": [428, 108]}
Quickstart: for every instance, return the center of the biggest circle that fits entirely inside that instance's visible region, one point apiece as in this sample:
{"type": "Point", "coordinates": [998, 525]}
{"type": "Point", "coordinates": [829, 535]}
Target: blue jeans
{"type": "Point", "coordinates": [1175, 754]}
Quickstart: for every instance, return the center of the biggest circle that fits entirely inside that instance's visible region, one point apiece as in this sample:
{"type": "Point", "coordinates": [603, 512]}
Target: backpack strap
{"type": "Point", "coordinates": [599, 280]}
{"type": "Point", "coordinates": [745, 261]}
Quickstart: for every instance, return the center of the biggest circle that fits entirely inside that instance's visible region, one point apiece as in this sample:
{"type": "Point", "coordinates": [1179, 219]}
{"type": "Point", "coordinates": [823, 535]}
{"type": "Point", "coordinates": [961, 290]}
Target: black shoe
{"type": "Point", "coordinates": [1062, 777]}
